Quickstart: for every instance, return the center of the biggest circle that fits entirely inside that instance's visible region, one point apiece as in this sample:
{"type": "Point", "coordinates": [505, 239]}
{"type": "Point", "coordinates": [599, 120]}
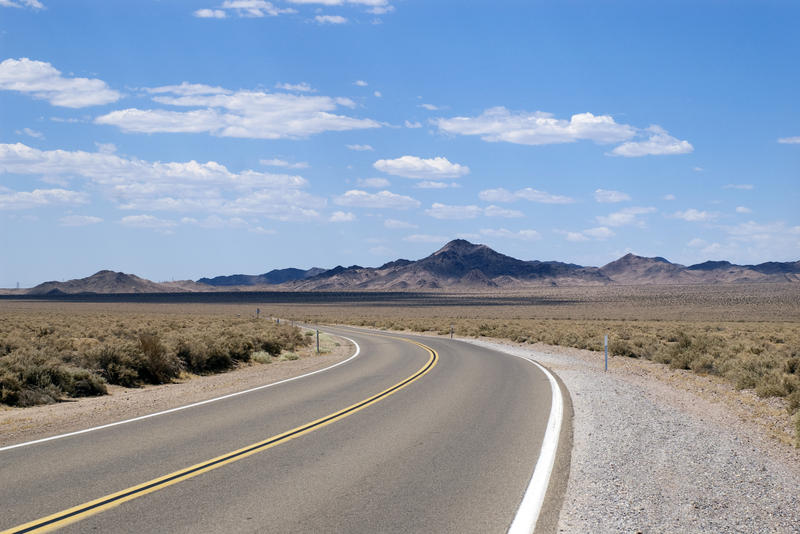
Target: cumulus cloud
{"type": "Point", "coordinates": [187, 89]}
{"type": "Point", "coordinates": [147, 221]}
{"type": "Point", "coordinates": [420, 168]}
{"type": "Point", "coordinates": [374, 183]}
{"type": "Point", "coordinates": [301, 87]}
{"type": "Point", "coordinates": [659, 143]}
{"type": "Point", "coordinates": [382, 199]}
{"type": "Point", "coordinates": [243, 114]}
{"type": "Point", "coordinates": [414, 124]}
{"type": "Point", "coordinates": [30, 133]}
{"type": "Point", "coordinates": [277, 162]}
{"type": "Point", "coordinates": [79, 220]}
{"type": "Point", "coordinates": [428, 184]}
{"type": "Point", "coordinates": [524, 235]}
{"type": "Point", "coordinates": [599, 233]}
{"type": "Point", "coordinates": [330, 19]}
{"type": "Point", "coordinates": [44, 82]}
{"type": "Point", "coordinates": [20, 200]}
{"type": "Point", "coordinates": [360, 148]}
{"type": "Point", "coordinates": [693, 215]}
{"type": "Point", "coordinates": [210, 14]}
{"type": "Point", "coordinates": [528, 193]}
{"type": "Point", "coordinates": [754, 242]}
{"type": "Point", "coordinates": [669, 196]}
{"type": "Point", "coordinates": [429, 107]}
{"type": "Point", "coordinates": [395, 224]}
{"type": "Point", "coordinates": [170, 186]}
{"type": "Point", "coordinates": [609, 196]}
{"type": "Point", "coordinates": [790, 140]}
{"type": "Point", "coordinates": [625, 217]}
{"type": "Point", "coordinates": [743, 209]}
{"type": "Point", "coordinates": [360, 83]}
{"type": "Point", "coordinates": [444, 211]}
{"type": "Point", "coordinates": [33, 4]}
{"type": "Point", "coordinates": [537, 128]}
{"type": "Point", "coordinates": [497, 211]}
{"type": "Point", "coordinates": [341, 216]}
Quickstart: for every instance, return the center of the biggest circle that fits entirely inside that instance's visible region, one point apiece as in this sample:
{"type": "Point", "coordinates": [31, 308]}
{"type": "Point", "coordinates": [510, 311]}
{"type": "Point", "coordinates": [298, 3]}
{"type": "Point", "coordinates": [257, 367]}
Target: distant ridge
{"type": "Point", "coordinates": [458, 265]}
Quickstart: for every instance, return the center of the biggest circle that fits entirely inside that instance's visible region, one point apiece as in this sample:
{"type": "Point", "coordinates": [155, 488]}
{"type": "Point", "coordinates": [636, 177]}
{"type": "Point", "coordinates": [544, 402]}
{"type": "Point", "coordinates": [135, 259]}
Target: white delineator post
{"type": "Point", "coordinates": [318, 341]}
{"type": "Point", "coordinates": [605, 343]}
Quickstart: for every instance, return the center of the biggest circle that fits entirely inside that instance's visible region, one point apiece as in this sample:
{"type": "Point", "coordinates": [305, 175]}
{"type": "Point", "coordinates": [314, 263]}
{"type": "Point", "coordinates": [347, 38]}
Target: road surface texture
{"type": "Point", "coordinates": [452, 450]}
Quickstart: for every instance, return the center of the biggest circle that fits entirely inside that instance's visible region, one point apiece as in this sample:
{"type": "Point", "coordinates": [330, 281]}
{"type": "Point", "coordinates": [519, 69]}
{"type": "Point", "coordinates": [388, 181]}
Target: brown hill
{"type": "Point", "coordinates": [106, 282]}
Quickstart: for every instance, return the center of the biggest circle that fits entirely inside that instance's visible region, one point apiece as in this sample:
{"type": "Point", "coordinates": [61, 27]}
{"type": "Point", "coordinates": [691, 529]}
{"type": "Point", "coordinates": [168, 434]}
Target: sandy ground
{"type": "Point", "coordinates": [25, 424]}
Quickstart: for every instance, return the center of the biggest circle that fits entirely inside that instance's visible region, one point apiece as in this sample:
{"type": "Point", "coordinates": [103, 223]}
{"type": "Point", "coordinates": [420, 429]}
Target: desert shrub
{"type": "Point", "coordinates": [118, 365]}
{"type": "Point", "coordinates": [157, 365]}
{"type": "Point", "coordinates": [261, 357]}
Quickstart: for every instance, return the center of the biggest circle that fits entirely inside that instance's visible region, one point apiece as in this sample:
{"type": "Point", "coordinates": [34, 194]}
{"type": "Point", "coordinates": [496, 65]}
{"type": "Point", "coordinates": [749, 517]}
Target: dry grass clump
{"type": "Point", "coordinates": [46, 357]}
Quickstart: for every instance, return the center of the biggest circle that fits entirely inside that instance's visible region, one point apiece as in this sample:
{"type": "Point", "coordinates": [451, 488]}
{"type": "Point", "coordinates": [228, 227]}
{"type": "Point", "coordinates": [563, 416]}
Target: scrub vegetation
{"type": "Point", "coordinates": [49, 355]}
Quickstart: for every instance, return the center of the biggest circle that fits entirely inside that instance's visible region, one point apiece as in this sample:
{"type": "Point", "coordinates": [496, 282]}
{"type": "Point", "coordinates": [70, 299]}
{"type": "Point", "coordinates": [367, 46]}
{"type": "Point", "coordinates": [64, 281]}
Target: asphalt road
{"type": "Point", "coordinates": [451, 451]}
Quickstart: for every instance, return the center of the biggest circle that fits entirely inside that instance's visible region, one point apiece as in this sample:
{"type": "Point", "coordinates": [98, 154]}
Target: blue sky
{"type": "Point", "coordinates": [180, 139]}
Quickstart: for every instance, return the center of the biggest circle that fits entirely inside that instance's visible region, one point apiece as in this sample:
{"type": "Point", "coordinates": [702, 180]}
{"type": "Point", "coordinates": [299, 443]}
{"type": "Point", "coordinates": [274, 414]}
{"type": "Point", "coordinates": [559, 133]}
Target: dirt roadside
{"type": "Point", "coordinates": [18, 425]}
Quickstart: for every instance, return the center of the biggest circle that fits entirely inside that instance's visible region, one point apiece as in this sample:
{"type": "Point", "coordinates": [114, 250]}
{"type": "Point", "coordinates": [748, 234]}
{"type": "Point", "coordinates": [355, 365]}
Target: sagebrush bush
{"type": "Point", "coordinates": [44, 358]}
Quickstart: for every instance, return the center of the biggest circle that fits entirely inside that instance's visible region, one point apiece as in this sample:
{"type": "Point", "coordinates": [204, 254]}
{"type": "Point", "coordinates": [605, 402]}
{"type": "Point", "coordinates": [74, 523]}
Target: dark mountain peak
{"type": "Point", "coordinates": [710, 265]}
{"type": "Point", "coordinates": [632, 260]}
{"type": "Point", "coordinates": [460, 246]}
{"type": "Point", "coordinates": [395, 263]}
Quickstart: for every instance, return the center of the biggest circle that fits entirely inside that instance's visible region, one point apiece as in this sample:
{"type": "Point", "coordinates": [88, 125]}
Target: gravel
{"type": "Point", "coordinates": [650, 458]}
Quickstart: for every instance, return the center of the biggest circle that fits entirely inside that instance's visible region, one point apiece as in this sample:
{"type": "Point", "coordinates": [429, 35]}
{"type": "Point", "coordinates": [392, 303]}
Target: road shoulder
{"type": "Point", "coordinates": [658, 450]}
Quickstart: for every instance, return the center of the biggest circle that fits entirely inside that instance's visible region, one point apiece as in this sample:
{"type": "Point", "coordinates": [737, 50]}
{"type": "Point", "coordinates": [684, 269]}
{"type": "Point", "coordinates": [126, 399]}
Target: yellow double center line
{"type": "Point", "coordinates": [77, 513]}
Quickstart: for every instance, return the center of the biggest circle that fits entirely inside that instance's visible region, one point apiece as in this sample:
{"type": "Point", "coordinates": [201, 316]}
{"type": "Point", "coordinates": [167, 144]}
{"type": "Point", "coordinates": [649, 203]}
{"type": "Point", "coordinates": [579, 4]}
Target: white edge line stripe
{"type": "Point", "coordinates": [528, 511]}
{"type": "Point", "coordinates": [179, 408]}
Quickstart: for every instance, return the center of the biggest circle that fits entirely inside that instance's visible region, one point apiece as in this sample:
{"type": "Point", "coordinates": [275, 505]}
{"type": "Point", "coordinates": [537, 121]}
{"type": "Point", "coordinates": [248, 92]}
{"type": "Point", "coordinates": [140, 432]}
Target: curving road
{"type": "Point", "coordinates": [448, 445]}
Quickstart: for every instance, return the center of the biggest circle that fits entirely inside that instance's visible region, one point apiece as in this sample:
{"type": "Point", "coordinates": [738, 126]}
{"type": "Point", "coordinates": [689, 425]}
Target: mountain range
{"type": "Point", "coordinates": [459, 265]}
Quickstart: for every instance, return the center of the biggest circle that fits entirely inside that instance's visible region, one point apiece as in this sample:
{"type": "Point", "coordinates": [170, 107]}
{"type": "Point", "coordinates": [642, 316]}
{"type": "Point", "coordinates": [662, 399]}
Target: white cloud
{"type": "Point", "coordinates": [697, 243]}
{"type": "Point", "coordinates": [33, 4]}
{"type": "Point", "coordinates": [497, 211]}
{"type": "Point", "coordinates": [625, 217]}
{"type": "Point", "coordinates": [443, 211]}
{"type": "Point", "coordinates": [255, 8]}
{"type": "Point", "coordinates": [660, 143]}
{"type": "Point", "coordinates": [147, 221]}
{"type": "Point", "coordinates": [360, 148]}
{"type": "Point", "coordinates": [605, 195]}
{"type": "Point", "coordinates": [425, 238]}
{"type": "Point", "coordinates": [301, 87]}
{"type": "Point", "coordinates": [276, 162]}
{"type": "Point", "coordinates": [538, 128]}
{"type": "Point", "coordinates": [743, 209]}
{"type": "Point", "coordinates": [171, 186]}
{"type": "Point", "coordinates": [216, 222]}
{"type": "Point", "coordinates": [415, 124]}
{"type": "Point", "coordinates": [599, 233]}
{"type": "Point", "coordinates": [428, 184]}
{"type": "Point", "coordinates": [210, 14]}
{"type": "Point", "coordinates": [242, 114]}
{"type": "Point", "coordinates": [30, 133]}
{"type": "Point", "coordinates": [395, 224]}
{"type": "Point", "coordinates": [524, 235]}
{"type": "Point", "coordinates": [743, 187]}
{"type": "Point", "coordinates": [341, 216]}
{"type": "Point", "coordinates": [419, 168]}
{"type": "Point", "coordinates": [79, 220]}
{"type": "Point", "coordinates": [429, 107]}
{"type": "Point", "coordinates": [106, 148]}
{"type": "Point", "coordinates": [698, 169]}
{"type": "Point", "coordinates": [188, 89]}
{"type": "Point", "coordinates": [382, 199]}
{"type": "Point", "coordinates": [669, 196]}
{"type": "Point", "coordinates": [377, 94]}
{"type": "Point", "coordinates": [360, 83]}
{"type": "Point", "coordinates": [20, 200]}
{"type": "Point", "coordinates": [790, 140]}
{"type": "Point", "coordinates": [44, 82]}
{"type": "Point", "coordinates": [754, 242]}
{"type": "Point", "coordinates": [532, 195]}
{"type": "Point", "coordinates": [330, 19]}
{"type": "Point", "coordinates": [374, 183]}
{"type": "Point", "coordinates": [693, 215]}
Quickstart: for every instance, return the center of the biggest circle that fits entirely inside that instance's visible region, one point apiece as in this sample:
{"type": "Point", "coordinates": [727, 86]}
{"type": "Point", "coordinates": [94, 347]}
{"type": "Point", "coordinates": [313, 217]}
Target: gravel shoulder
{"type": "Point", "coordinates": [662, 450]}
{"type": "Point", "coordinates": [25, 424]}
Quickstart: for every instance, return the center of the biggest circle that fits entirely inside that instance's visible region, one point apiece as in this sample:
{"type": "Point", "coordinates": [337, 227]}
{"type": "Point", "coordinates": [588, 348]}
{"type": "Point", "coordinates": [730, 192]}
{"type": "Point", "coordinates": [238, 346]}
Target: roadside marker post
{"type": "Point", "coordinates": [317, 340]}
{"type": "Point", "coordinates": [605, 343]}
{"type": "Point", "coordinates": [451, 331]}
